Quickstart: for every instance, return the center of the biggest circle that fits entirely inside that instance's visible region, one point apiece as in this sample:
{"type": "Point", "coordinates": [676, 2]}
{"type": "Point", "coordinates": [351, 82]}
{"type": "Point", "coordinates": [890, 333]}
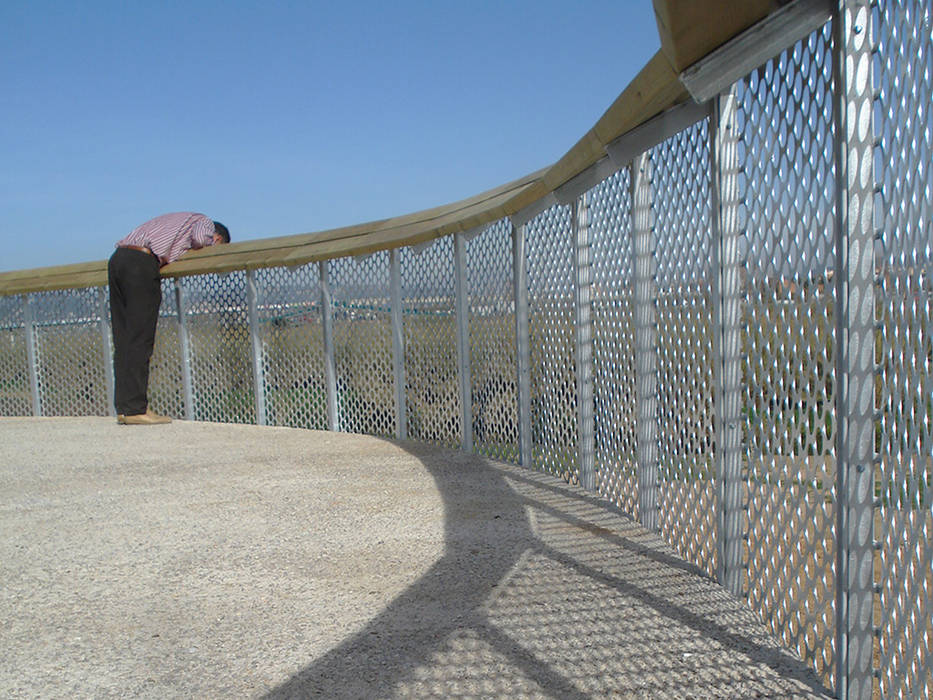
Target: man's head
{"type": "Point", "coordinates": [221, 234]}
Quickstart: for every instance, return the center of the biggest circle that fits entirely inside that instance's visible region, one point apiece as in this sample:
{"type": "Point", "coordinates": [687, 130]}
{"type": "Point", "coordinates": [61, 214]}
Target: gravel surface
{"type": "Point", "coordinates": [217, 561]}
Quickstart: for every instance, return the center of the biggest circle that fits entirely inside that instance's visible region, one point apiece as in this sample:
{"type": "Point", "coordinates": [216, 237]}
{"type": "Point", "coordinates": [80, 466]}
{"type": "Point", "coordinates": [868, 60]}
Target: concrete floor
{"type": "Point", "coordinates": [217, 561]}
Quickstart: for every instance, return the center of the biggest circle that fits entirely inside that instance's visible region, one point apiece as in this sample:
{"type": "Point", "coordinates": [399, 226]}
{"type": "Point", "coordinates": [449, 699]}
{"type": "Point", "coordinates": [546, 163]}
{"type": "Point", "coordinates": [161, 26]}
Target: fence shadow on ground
{"type": "Point", "coordinates": [551, 591]}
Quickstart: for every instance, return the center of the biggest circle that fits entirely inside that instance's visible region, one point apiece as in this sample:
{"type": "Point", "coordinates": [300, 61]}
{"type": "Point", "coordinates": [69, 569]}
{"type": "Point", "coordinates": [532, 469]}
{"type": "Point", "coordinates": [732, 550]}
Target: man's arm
{"type": "Point", "coordinates": [202, 233]}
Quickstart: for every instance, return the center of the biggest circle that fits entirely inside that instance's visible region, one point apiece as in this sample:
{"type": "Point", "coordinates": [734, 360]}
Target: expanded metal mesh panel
{"type": "Point", "coordinates": [363, 344]}
{"type": "Point", "coordinates": [69, 347]}
{"type": "Point", "coordinates": [549, 244]}
{"type": "Point", "coordinates": [687, 495]}
{"type": "Point", "coordinates": [221, 366]}
{"type": "Point", "coordinates": [166, 393]}
{"type": "Point", "coordinates": [785, 124]}
{"type": "Point", "coordinates": [430, 326]}
{"type": "Point", "coordinates": [15, 389]}
{"type": "Point", "coordinates": [292, 337]}
{"type": "Point", "coordinates": [904, 526]}
{"type": "Point", "coordinates": [614, 340]}
{"type": "Point", "coordinates": [492, 342]}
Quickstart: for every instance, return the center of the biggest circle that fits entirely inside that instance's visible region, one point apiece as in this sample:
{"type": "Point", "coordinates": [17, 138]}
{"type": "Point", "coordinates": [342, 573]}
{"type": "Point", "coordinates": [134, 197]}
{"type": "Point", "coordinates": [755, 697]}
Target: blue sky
{"type": "Point", "coordinates": [284, 117]}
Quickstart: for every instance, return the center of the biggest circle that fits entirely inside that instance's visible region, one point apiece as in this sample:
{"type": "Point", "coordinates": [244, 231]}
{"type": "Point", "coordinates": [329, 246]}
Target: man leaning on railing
{"type": "Point", "coordinates": [135, 297]}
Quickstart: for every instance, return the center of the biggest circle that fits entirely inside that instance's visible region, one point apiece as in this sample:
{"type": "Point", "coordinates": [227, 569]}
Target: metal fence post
{"type": "Point", "coordinates": [728, 339]}
{"type": "Point", "coordinates": [463, 343]}
{"type": "Point", "coordinates": [185, 350]}
{"type": "Point", "coordinates": [855, 355]}
{"type": "Point", "coordinates": [330, 368]}
{"type": "Point", "coordinates": [32, 353]}
{"type": "Point", "coordinates": [398, 345]}
{"type": "Point", "coordinates": [252, 304]}
{"type": "Point", "coordinates": [106, 346]}
{"type": "Point", "coordinates": [646, 342]}
{"type": "Point", "coordinates": [522, 346]}
{"type": "Point", "coordinates": [583, 322]}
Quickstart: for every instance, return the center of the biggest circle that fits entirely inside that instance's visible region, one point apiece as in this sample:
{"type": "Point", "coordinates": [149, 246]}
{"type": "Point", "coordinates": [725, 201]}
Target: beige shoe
{"type": "Point", "coordinates": [147, 418]}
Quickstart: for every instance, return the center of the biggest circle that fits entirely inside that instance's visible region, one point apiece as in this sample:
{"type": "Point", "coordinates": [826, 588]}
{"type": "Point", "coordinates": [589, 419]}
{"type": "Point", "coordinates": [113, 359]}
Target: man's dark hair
{"type": "Point", "coordinates": [222, 231]}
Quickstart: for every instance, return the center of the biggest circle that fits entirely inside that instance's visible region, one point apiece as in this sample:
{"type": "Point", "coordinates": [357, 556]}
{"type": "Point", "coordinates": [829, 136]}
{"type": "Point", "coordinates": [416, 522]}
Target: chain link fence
{"type": "Point", "coordinates": [15, 365]}
{"type": "Point", "coordinates": [903, 484]}
{"type": "Point", "coordinates": [549, 240]}
{"type": "Point", "coordinates": [166, 382]}
{"type": "Point", "coordinates": [492, 345]}
{"type": "Point", "coordinates": [291, 337]}
{"type": "Point", "coordinates": [615, 395]}
{"type": "Point", "coordinates": [603, 338]}
{"type": "Point", "coordinates": [363, 346]}
{"type": "Point", "coordinates": [785, 119]}
{"type": "Point", "coordinates": [680, 179]}
{"type": "Point", "coordinates": [66, 337]}
{"type": "Point", "coordinates": [428, 306]}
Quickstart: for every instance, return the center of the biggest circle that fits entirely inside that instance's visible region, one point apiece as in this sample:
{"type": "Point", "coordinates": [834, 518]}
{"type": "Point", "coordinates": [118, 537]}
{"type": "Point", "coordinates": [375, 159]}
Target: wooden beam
{"type": "Point", "coordinates": [45, 283]}
{"type": "Point", "coordinates": [690, 29]}
{"type": "Point", "coordinates": [71, 269]}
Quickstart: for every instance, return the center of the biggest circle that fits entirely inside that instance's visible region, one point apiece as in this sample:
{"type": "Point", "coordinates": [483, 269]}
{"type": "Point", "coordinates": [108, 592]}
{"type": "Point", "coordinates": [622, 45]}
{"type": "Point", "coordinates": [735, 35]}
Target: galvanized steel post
{"type": "Point", "coordinates": [252, 305]}
{"type": "Point", "coordinates": [855, 356]}
{"type": "Point", "coordinates": [32, 353]}
{"type": "Point", "coordinates": [522, 347]}
{"type": "Point", "coordinates": [330, 368]}
{"type": "Point", "coordinates": [583, 317]}
{"type": "Point", "coordinates": [106, 346]}
{"type": "Point", "coordinates": [185, 350]}
{"type": "Point", "coordinates": [463, 343]}
{"type": "Point", "coordinates": [727, 238]}
{"type": "Point", "coordinates": [398, 345]}
{"type": "Point", "coordinates": [646, 342]}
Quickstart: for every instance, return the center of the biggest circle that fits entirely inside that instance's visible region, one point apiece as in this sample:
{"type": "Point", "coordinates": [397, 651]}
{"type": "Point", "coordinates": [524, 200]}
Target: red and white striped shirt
{"type": "Point", "coordinates": [169, 236]}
